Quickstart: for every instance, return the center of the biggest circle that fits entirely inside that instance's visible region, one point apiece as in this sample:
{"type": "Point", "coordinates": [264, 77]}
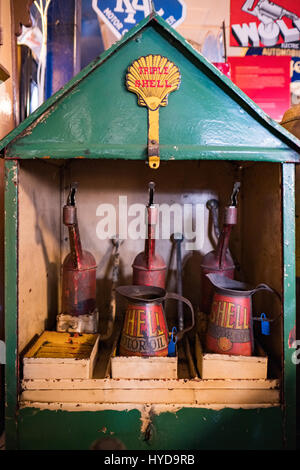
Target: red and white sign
{"type": "Point", "coordinates": [266, 80]}
{"type": "Point", "coordinates": [261, 23]}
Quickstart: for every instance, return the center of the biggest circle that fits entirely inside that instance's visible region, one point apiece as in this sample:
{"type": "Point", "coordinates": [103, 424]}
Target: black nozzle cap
{"type": "Point", "coordinates": [151, 187]}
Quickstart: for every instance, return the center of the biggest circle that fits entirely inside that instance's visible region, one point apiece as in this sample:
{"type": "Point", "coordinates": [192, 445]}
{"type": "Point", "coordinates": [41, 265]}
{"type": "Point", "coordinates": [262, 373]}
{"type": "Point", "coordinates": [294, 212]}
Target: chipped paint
{"type": "Point", "coordinates": [11, 174]}
{"type": "Point", "coordinates": [11, 277]}
{"type": "Point", "coordinates": [289, 299]}
{"type": "Point", "coordinates": [39, 120]}
{"type": "Point", "coordinates": [146, 417]}
{"type": "Point", "coordinates": [292, 337]}
{"type": "Point", "coordinates": [155, 409]}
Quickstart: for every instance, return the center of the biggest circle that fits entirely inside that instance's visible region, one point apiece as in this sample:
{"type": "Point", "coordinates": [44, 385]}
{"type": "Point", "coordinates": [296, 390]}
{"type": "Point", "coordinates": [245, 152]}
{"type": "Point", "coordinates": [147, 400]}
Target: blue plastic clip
{"type": "Point", "coordinates": [265, 325]}
{"type": "Point", "coordinates": [171, 345]}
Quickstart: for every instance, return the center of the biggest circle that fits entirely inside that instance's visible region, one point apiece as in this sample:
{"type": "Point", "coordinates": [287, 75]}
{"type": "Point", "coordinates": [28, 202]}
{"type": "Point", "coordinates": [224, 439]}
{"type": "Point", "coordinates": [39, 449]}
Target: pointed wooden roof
{"type": "Point", "coordinates": [94, 115]}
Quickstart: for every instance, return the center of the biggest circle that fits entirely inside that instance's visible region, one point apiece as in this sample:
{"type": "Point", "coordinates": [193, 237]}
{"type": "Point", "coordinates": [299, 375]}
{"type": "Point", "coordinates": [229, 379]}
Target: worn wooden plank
{"type": "Point", "coordinates": [144, 367]}
{"type": "Point", "coordinates": [42, 371]}
{"type": "Point", "coordinates": [180, 384]}
{"type": "Point", "coordinates": [160, 408]}
{"type": "Point", "coordinates": [187, 396]}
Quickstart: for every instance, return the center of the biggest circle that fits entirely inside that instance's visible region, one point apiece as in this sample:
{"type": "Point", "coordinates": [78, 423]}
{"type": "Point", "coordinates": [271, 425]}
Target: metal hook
{"type": "Point", "coordinates": [72, 192]}
{"type": "Point", "coordinates": [235, 192]}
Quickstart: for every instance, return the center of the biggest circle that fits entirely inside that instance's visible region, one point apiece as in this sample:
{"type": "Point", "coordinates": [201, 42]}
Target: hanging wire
{"type": "Point", "coordinates": [41, 71]}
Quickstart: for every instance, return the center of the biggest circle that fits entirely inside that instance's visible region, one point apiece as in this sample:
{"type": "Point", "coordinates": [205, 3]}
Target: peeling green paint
{"type": "Point", "coordinates": [11, 296]}
{"type": "Point", "coordinates": [187, 429]}
{"type": "Point", "coordinates": [289, 289]}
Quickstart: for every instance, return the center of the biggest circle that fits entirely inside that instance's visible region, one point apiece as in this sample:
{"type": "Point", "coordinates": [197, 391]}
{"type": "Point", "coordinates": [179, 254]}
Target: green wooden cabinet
{"type": "Point", "coordinates": [93, 129]}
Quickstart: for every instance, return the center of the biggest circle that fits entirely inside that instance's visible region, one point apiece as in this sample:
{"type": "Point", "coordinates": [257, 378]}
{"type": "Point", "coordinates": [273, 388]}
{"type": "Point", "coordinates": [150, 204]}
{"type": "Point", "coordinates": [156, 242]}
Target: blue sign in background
{"type": "Point", "coordinates": [122, 15]}
{"type": "Point", "coordinates": [173, 11]}
{"type": "Point", "coordinates": [295, 69]}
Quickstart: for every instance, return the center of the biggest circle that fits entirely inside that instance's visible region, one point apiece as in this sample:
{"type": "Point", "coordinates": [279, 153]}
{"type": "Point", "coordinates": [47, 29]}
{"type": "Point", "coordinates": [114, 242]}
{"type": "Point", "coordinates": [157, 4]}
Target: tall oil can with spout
{"type": "Point", "coordinates": [219, 261]}
{"type": "Point", "coordinates": [78, 297]}
{"type": "Point", "coordinates": [149, 268]}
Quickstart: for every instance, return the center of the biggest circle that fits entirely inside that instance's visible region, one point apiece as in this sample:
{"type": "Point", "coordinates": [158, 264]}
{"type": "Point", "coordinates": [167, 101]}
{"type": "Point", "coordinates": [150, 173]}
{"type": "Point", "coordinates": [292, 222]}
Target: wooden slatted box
{"type": "Point", "coordinates": [225, 366]}
{"type": "Point", "coordinates": [61, 355]}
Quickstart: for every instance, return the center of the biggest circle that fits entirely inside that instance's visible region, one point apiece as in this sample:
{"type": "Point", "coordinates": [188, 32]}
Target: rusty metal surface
{"type": "Point", "coordinates": [149, 268]}
{"type": "Point", "coordinates": [79, 267]}
{"type": "Point", "coordinates": [220, 260]}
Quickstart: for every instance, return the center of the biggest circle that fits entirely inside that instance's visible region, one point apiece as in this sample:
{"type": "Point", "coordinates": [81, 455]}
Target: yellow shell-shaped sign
{"type": "Point", "coordinates": [152, 78]}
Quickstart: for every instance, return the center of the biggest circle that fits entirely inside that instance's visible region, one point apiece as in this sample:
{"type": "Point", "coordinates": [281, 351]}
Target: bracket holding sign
{"type": "Point", "coordinates": [152, 78]}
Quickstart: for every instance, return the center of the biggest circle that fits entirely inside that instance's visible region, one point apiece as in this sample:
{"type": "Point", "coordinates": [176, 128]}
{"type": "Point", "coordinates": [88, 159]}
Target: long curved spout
{"type": "Point", "coordinates": [70, 220]}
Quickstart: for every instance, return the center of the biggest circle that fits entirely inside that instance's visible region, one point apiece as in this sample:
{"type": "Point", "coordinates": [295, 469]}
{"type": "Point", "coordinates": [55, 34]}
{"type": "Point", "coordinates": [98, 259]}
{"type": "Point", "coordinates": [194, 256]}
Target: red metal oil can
{"type": "Point", "coordinates": [149, 268]}
{"type": "Point", "coordinates": [220, 260]}
{"type": "Point", "coordinates": [79, 267]}
{"type": "Point", "coordinates": [145, 331]}
{"type": "Point", "coordinates": [230, 328]}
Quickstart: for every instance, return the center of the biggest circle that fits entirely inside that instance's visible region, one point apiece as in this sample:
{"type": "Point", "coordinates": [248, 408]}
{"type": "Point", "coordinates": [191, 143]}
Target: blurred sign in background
{"type": "Point", "coordinates": [266, 80]}
{"type": "Point", "coordinates": [295, 80]}
{"type": "Point", "coordinates": [121, 15]}
{"type": "Point", "coordinates": [261, 23]}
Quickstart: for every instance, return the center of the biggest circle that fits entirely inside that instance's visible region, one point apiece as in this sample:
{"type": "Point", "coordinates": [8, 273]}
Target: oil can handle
{"type": "Point", "coordinates": [267, 288]}
{"type": "Point", "coordinates": [172, 295]}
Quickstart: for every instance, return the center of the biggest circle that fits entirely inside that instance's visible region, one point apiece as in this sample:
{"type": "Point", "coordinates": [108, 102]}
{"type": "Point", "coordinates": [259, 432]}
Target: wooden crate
{"type": "Point", "coordinates": [61, 355]}
{"type": "Point", "coordinates": [111, 390]}
{"type": "Point", "coordinates": [223, 366]}
{"type": "Point", "coordinates": [135, 367]}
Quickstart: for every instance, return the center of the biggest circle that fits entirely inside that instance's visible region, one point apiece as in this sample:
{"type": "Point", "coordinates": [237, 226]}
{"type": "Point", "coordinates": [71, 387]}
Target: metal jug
{"type": "Point", "coordinates": [230, 329]}
{"type": "Point", "coordinates": [145, 331]}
